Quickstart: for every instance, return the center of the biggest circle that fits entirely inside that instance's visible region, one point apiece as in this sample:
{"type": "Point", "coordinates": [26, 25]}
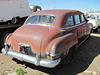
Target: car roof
{"type": "Point", "coordinates": [60, 14]}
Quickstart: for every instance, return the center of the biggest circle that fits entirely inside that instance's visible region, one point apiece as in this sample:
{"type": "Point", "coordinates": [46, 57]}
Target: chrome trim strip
{"type": "Point", "coordinates": [83, 41]}
{"type": "Point", "coordinates": [77, 25]}
{"type": "Point", "coordinates": [58, 27]}
{"type": "Point", "coordinates": [25, 45]}
{"type": "Point", "coordinates": [71, 26]}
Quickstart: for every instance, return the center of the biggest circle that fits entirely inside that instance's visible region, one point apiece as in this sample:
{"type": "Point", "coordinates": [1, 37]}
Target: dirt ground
{"type": "Point", "coordinates": [86, 62]}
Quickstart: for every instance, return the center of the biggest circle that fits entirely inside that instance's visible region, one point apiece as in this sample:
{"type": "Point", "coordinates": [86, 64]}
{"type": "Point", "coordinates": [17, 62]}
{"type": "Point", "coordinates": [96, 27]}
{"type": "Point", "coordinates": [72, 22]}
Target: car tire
{"type": "Point", "coordinates": [91, 30]}
{"type": "Point", "coordinates": [3, 37]}
{"type": "Point", "coordinates": [70, 57]}
{"type": "Point", "coordinates": [14, 20]}
{"type": "Point", "coordinates": [96, 30]}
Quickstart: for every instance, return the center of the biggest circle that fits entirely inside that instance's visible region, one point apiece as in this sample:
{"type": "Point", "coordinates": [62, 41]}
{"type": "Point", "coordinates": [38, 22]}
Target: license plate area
{"type": "Point", "coordinates": [26, 49]}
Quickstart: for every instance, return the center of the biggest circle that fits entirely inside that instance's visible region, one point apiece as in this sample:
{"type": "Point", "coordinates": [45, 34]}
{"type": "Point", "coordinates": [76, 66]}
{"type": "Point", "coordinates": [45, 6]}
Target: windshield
{"type": "Point", "coordinates": [41, 20]}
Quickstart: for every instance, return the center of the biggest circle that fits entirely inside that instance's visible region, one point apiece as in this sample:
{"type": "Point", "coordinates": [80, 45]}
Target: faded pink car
{"type": "Point", "coordinates": [47, 37]}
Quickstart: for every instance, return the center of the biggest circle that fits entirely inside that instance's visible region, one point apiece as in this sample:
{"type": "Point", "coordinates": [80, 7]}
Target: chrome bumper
{"type": "Point", "coordinates": [33, 60]}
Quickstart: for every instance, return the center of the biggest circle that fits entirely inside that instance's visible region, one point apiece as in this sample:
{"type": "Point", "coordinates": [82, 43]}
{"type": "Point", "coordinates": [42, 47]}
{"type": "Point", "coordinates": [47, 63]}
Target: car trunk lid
{"type": "Point", "coordinates": [30, 35]}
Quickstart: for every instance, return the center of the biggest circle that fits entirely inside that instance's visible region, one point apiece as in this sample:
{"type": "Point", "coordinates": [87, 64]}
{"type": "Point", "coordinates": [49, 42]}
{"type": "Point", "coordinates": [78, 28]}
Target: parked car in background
{"type": "Point", "coordinates": [14, 10]}
{"type": "Point", "coordinates": [96, 15]}
{"type": "Point", "coordinates": [94, 19]}
{"type": "Point", "coordinates": [48, 37]}
{"type": "Point", "coordinates": [35, 8]}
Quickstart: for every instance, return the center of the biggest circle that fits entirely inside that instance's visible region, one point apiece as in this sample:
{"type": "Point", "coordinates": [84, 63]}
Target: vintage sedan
{"type": "Point", "coordinates": [47, 37]}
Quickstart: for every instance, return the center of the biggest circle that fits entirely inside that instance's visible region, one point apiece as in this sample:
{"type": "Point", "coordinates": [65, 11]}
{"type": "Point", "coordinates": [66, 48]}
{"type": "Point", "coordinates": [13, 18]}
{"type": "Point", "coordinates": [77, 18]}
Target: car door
{"type": "Point", "coordinates": [81, 28]}
{"type": "Point", "coordinates": [69, 27]}
{"type": "Point", "coordinates": [85, 26]}
{"type": "Point", "coordinates": [87, 29]}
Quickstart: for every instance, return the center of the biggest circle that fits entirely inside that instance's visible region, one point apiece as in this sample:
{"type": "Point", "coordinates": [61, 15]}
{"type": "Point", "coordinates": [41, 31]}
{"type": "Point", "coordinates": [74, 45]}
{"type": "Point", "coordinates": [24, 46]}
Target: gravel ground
{"type": "Point", "coordinates": [86, 62]}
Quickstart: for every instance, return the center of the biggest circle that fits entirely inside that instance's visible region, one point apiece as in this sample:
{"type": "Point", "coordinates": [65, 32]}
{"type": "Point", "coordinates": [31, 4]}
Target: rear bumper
{"type": "Point", "coordinates": [33, 60]}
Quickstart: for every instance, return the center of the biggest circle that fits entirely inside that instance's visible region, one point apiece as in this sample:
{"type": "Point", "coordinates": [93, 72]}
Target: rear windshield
{"type": "Point", "coordinates": [41, 20]}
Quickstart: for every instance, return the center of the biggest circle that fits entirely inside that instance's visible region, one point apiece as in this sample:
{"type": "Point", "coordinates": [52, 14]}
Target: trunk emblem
{"type": "Point", "coordinates": [24, 41]}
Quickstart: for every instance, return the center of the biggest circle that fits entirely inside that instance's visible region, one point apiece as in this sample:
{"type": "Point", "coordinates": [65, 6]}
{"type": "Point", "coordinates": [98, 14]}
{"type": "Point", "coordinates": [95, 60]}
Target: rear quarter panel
{"type": "Point", "coordinates": [65, 42]}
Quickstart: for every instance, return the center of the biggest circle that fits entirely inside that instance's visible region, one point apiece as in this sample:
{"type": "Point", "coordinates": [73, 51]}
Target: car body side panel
{"type": "Point", "coordinates": [88, 29]}
{"type": "Point", "coordinates": [79, 31]}
{"type": "Point", "coordinates": [65, 42]}
{"type": "Point", "coordinates": [83, 32]}
{"type": "Point", "coordinates": [49, 37]}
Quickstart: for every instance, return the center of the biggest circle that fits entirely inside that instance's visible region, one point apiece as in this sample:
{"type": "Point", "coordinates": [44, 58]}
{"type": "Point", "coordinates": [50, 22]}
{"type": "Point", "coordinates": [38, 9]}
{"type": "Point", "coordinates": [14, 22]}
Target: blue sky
{"type": "Point", "coordinates": [82, 5]}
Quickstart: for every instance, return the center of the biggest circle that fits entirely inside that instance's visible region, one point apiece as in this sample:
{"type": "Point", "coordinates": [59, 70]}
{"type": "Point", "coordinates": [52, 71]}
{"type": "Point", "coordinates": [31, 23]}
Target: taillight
{"type": "Point", "coordinates": [7, 46]}
{"type": "Point", "coordinates": [48, 57]}
{"type": "Point", "coordinates": [53, 50]}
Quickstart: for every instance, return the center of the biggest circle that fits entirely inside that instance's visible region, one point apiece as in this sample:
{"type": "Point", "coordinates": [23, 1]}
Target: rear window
{"type": "Point", "coordinates": [41, 20]}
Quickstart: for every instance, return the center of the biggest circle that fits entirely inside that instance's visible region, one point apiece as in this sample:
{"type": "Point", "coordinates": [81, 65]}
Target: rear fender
{"type": "Point", "coordinates": [64, 43]}
{"type": "Point", "coordinates": [7, 41]}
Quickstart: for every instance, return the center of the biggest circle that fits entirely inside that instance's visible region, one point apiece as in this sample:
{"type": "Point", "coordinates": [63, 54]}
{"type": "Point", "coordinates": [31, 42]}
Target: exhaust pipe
{"type": "Point", "coordinates": [34, 60]}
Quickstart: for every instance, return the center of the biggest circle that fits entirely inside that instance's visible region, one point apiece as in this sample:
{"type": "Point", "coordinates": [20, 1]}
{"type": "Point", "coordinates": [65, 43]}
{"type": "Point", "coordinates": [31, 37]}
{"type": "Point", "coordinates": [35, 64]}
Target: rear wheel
{"type": "Point", "coordinates": [70, 57]}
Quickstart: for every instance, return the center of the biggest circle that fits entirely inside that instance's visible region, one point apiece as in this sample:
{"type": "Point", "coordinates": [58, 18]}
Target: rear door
{"type": "Point", "coordinates": [79, 25]}
{"type": "Point", "coordinates": [69, 28]}
{"type": "Point", "coordinates": [87, 29]}
{"type": "Point", "coordinates": [81, 28]}
{"type": "Point", "coordinates": [83, 22]}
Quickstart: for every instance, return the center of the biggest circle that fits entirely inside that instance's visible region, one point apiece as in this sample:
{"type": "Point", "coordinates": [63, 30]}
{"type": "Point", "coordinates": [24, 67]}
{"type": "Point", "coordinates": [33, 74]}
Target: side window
{"type": "Point", "coordinates": [70, 21]}
{"type": "Point", "coordinates": [77, 19]}
{"type": "Point", "coordinates": [82, 18]}
{"type": "Point", "coordinates": [43, 18]}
